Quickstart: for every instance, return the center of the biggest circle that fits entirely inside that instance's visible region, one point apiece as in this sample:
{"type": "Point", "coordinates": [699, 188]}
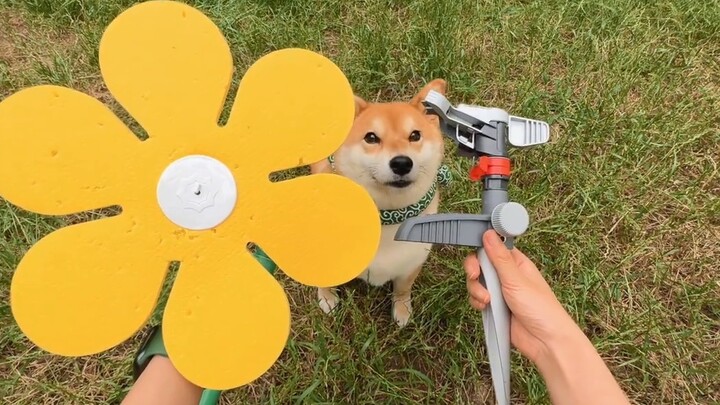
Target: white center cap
{"type": "Point", "coordinates": [197, 192]}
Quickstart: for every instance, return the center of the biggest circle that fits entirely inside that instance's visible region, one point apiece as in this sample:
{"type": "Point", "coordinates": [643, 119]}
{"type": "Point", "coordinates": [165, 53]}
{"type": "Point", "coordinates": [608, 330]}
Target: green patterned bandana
{"type": "Point", "coordinates": [394, 217]}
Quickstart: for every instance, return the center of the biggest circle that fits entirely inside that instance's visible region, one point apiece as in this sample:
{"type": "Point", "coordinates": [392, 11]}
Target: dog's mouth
{"type": "Point", "coordinates": [399, 183]}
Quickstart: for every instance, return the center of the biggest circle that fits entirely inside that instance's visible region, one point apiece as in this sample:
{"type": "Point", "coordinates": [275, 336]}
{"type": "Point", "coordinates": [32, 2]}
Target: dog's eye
{"type": "Point", "coordinates": [370, 137]}
{"type": "Point", "coordinates": [414, 136]}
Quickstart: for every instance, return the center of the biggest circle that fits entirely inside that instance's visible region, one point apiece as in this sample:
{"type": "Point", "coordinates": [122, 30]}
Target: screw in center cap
{"type": "Point", "coordinates": [197, 192]}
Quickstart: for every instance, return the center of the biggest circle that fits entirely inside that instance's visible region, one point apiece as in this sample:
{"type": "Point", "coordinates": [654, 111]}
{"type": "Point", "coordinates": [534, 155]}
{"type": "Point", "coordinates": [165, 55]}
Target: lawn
{"type": "Point", "coordinates": [624, 200]}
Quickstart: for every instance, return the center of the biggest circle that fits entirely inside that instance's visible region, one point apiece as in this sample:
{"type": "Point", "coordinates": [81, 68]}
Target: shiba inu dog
{"type": "Point", "coordinates": [395, 151]}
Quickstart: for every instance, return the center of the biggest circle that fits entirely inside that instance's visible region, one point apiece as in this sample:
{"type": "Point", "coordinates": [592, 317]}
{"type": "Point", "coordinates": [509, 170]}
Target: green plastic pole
{"type": "Point", "coordinates": [211, 397]}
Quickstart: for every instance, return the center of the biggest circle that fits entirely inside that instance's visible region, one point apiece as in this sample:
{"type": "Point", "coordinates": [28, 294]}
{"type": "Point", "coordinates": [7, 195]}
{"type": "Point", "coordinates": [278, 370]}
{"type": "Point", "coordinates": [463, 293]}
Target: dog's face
{"type": "Point", "coordinates": [394, 145]}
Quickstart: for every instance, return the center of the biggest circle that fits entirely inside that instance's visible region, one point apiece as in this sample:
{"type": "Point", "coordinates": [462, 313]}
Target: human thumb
{"type": "Point", "coordinates": [500, 257]}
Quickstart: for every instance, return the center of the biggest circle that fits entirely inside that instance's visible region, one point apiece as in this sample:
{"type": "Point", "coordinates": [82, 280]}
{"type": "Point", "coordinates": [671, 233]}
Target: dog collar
{"type": "Point", "coordinates": [397, 216]}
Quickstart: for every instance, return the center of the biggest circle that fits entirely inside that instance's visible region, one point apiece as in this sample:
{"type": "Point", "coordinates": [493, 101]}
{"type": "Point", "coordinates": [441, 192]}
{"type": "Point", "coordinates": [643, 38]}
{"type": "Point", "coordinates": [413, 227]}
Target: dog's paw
{"type": "Point", "coordinates": [402, 310]}
{"type": "Point", "coordinates": [327, 299]}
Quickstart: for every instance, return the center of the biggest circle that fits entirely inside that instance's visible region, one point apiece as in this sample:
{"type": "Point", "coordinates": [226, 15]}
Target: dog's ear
{"type": "Point", "coordinates": [438, 85]}
{"type": "Point", "coordinates": [360, 105]}
{"type": "Point", "coordinates": [434, 119]}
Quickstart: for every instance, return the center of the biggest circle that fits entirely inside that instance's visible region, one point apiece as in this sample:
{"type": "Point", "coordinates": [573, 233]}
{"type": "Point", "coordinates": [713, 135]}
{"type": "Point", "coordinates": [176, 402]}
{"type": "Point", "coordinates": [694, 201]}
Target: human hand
{"type": "Point", "coordinates": [537, 317]}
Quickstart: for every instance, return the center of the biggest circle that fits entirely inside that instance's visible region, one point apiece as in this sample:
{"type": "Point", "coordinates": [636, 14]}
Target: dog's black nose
{"type": "Point", "coordinates": [401, 165]}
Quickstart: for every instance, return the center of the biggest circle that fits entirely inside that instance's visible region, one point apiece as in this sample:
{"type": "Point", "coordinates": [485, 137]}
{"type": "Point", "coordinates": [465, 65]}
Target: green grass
{"type": "Point", "coordinates": [624, 200]}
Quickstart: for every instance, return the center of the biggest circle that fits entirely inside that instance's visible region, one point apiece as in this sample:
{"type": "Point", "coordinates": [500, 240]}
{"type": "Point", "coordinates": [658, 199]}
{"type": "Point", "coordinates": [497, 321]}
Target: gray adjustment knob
{"type": "Point", "coordinates": [510, 219]}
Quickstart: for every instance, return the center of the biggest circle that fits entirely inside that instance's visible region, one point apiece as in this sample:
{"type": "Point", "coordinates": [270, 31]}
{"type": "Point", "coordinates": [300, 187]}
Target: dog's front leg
{"type": "Point", "coordinates": [401, 301]}
{"type": "Point", "coordinates": [328, 299]}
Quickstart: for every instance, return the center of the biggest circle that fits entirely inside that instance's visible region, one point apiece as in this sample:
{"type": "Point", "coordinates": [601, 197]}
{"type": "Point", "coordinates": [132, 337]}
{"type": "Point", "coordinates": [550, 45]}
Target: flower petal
{"type": "Point", "coordinates": [226, 322]}
{"type": "Point", "coordinates": [323, 229]}
{"type": "Point", "coordinates": [169, 66]}
{"type": "Point", "coordinates": [88, 287]}
{"type": "Point", "coordinates": [293, 107]}
{"type": "Point", "coordinates": [62, 151]}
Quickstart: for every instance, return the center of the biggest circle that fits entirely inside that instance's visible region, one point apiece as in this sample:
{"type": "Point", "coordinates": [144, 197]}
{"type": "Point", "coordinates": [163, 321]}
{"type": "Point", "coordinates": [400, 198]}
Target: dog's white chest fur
{"type": "Point", "coordinates": [395, 259]}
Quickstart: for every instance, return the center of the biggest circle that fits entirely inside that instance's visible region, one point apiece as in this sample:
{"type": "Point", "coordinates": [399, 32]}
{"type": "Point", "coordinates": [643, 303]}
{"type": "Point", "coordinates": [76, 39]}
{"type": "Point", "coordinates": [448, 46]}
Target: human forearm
{"type": "Point", "coordinates": [161, 384]}
{"type": "Point", "coordinates": [575, 373]}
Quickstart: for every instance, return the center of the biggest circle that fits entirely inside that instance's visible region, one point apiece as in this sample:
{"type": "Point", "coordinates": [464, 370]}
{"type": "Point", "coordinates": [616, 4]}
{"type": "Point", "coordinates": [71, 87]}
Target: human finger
{"type": "Point", "coordinates": [472, 267]}
{"type": "Point", "coordinates": [477, 304]}
{"type": "Point", "coordinates": [477, 291]}
{"type": "Point", "coordinates": [499, 256]}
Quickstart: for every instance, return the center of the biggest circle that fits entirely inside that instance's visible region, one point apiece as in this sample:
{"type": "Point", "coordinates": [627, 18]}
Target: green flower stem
{"type": "Point", "coordinates": [210, 397]}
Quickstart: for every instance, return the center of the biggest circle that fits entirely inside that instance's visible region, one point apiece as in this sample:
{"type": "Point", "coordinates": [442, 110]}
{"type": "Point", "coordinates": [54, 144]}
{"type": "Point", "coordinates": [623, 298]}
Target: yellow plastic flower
{"type": "Point", "coordinates": [194, 192]}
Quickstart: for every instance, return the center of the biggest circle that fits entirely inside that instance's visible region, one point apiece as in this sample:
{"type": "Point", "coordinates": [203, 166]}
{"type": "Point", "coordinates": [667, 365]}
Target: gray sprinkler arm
{"type": "Point", "coordinates": [483, 133]}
